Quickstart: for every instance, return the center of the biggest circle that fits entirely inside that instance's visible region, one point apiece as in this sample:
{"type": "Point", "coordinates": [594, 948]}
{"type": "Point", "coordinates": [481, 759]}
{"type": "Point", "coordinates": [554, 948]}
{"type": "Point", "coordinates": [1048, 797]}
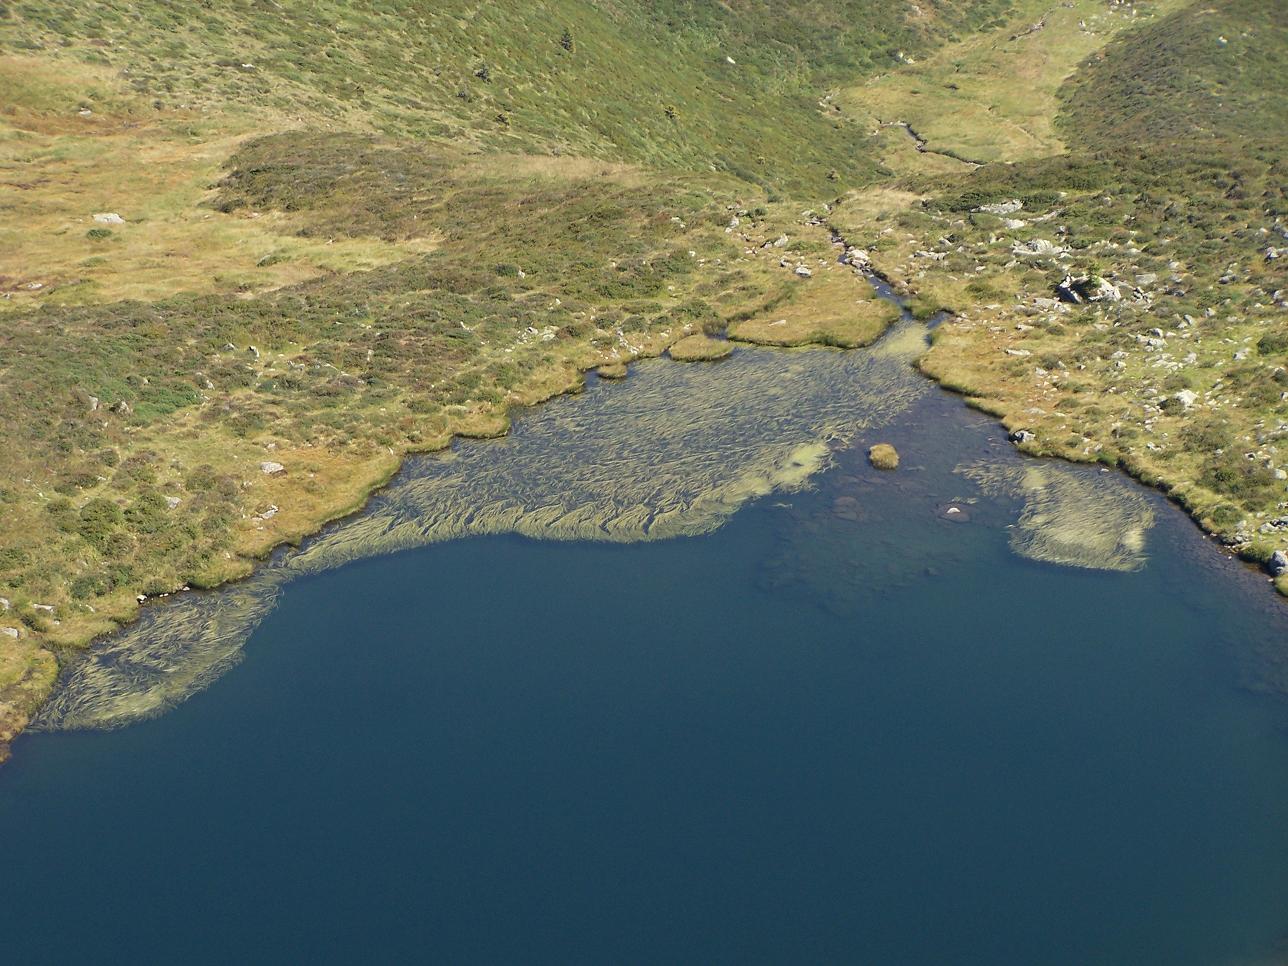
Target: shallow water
{"type": "Point", "coordinates": [833, 721]}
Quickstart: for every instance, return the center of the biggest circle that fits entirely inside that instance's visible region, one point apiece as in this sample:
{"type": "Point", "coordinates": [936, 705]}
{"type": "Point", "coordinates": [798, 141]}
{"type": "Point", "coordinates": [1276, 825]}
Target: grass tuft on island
{"type": "Point", "coordinates": [883, 456]}
{"type": "Point", "coordinates": [700, 348]}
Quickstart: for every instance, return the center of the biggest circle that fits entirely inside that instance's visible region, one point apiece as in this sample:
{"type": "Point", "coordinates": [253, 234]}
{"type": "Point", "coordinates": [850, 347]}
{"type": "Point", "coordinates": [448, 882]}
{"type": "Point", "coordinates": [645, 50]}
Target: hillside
{"type": "Point", "coordinates": [689, 85]}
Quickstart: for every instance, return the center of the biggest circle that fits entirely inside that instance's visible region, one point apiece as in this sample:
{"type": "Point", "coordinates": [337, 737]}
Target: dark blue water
{"type": "Point", "coordinates": [899, 744]}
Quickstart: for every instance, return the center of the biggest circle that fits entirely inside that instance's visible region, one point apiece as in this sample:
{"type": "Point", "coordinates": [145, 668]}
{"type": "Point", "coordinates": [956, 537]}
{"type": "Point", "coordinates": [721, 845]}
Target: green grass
{"type": "Point", "coordinates": [647, 83]}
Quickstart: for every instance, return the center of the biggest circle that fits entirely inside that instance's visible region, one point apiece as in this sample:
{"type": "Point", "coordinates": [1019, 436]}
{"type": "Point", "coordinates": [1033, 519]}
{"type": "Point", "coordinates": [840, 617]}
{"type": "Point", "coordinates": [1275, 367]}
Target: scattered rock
{"type": "Point", "coordinates": [1105, 291]}
{"type": "Point", "coordinates": [10, 631]}
{"type": "Point", "coordinates": [1021, 436]}
{"type": "Point", "coordinates": [270, 468]}
{"type": "Point", "coordinates": [109, 218]}
{"type": "Point", "coordinates": [1038, 248]}
{"type": "Point", "coordinates": [1087, 288]}
{"type": "Point", "coordinates": [700, 348]}
{"type": "Point", "coordinates": [1278, 564]}
{"type": "Point", "coordinates": [857, 257]}
{"type": "Point", "coordinates": [803, 272]}
{"type": "Point", "coordinates": [883, 456]}
{"type": "Point", "coordinates": [1002, 207]}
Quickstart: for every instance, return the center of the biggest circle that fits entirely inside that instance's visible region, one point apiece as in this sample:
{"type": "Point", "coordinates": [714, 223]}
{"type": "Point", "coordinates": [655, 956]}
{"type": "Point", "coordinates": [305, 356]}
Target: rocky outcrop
{"type": "Point", "coordinates": [1087, 288]}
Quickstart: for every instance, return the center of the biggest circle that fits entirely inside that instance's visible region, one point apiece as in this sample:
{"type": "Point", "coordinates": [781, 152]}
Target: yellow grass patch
{"type": "Point", "coordinates": [836, 307]}
{"type": "Point", "coordinates": [700, 348]}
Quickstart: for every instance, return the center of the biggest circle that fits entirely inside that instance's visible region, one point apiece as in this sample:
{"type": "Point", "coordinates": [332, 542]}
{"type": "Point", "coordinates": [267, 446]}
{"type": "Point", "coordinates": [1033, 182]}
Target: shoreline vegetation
{"type": "Point", "coordinates": [1115, 290]}
{"type": "Point", "coordinates": [242, 287]}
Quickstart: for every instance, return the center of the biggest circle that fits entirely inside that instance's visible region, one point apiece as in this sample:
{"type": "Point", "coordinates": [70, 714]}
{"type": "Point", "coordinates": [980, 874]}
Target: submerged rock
{"type": "Point", "coordinates": [847, 508]}
{"type": "Point", "coordinates": [955, 512]}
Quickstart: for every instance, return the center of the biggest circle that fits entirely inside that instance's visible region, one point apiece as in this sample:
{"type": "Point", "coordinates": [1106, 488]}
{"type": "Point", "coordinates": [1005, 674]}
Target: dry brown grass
{"type": "Point", "coordinates": [57, 169]}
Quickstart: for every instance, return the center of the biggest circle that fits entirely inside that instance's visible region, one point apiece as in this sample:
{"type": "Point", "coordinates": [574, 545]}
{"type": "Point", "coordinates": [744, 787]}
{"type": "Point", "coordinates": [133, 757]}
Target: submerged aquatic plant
{"type": "Point", "coordinates": [675, 451]}
{"type": "Point", "coordinates": [1071, 515]}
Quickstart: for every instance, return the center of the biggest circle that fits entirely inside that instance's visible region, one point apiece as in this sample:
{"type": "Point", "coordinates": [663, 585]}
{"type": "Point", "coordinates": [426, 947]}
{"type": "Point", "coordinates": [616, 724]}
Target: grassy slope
{"type": "Point", "coordinates": [1173, 183]}
{"type": "Point", "coordinates": [993, 96]}
{"type": "Point", "coordinates": [416, 214]}
{"type": "Point", "coordinates": [646, 83]}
